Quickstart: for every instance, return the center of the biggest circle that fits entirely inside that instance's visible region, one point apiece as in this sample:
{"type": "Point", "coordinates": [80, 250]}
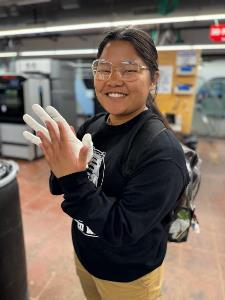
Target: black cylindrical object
{"type": "Point", "coordinates": [13, 274]}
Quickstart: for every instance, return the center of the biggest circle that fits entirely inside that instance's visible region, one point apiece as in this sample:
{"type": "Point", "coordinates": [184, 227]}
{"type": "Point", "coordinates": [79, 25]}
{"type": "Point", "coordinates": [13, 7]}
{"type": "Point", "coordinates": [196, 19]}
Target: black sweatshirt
{"type": "Point", "coordinates": [119, 226]}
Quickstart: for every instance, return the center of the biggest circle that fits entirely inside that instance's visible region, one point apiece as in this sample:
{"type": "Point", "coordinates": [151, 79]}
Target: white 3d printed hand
{"type": "Point", "coordinates": [53, 116]}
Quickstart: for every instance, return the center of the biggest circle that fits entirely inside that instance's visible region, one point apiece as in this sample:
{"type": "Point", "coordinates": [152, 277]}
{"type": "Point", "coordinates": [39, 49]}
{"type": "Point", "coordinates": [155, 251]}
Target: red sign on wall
{"type": "Point", "coordinates": [217, 33]}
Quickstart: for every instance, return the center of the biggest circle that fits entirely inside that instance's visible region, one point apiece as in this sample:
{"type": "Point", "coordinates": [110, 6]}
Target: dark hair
{"type": "Point", "coordinates": [146, 49]}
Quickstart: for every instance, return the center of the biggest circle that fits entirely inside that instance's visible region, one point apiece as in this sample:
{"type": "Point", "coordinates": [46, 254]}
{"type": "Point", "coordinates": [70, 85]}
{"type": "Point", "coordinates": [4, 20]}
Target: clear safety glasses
{"type": "Point", "coordinates": [128, 71]}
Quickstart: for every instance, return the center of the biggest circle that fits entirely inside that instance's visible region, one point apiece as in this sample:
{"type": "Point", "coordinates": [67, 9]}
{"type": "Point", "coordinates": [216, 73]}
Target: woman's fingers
{"type": "Point", "coordinates": [83, 152]}
{"type": "Point", "coordinates": [44, 152]}
{"type": "Point", "coordinates": [63, 133]}
{"type": "Point", "coordinates": [59, 152]}
{"type": "Point", "coordinates": [45, 146]}
{"type": "Point", "coordinates": [55, 115]}
{"type": "Point", "coordinates": [55, 136]}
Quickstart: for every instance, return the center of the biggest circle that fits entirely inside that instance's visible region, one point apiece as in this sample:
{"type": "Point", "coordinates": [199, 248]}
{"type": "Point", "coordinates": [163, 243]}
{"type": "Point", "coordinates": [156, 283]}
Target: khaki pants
{"type": "Point", "coordinates": [144, 288]}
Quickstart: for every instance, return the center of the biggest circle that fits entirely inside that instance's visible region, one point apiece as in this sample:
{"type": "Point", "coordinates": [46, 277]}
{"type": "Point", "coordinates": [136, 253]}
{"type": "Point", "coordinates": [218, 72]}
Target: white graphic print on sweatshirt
{"type": "Point", "coordinates": [96, 167]}
{"type": "Point", "coordinates": [95, 171]}
{"type": "Point", "coordinates": [85, 229]}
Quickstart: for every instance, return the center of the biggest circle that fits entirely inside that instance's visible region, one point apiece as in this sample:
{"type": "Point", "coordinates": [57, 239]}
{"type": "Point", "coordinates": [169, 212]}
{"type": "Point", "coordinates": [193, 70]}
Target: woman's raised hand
{"type": "Point", "coordinates": [53, 117]}
{"type": "Point", "coordinates": [58, 151]}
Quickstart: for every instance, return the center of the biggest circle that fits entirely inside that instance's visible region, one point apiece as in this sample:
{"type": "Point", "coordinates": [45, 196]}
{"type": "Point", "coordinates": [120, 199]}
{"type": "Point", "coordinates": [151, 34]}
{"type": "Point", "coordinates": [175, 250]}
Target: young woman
{"type": "Point", "coordinates": [120, 221]}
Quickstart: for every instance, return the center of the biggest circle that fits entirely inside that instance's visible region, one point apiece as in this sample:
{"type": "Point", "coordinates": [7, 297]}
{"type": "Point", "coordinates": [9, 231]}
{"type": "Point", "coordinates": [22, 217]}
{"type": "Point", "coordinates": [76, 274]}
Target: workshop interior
{"type": "Point", "coordinates": [46, 52]}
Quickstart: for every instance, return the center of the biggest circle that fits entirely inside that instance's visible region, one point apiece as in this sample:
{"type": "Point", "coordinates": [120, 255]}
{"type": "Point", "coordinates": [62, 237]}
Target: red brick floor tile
{"type": "Point", "coordinates": [171, 288]}
{"type": "Point", "coordinates": [173, 255]}
{"type": "Point", "coordinates": [218, 224]}
{"type": "Point", "coordinates": [200, 287]}
{"type": "Point", "coordinates": [199, 263]}
{"type": "Point", "coordinates": [222, 265]}
{"type": "Point", "coordinates": [217, 207]}
{"type": "Point", "coordinates": [203, 241]}
{"type": "Point", "coordinates": [63, 287]}
{"type": "Point", "coordinates": [205, 219]}
{"type": "Point", "coordinates": [39, 202]}
{"type": "Point", "coordinates": [220, 242]}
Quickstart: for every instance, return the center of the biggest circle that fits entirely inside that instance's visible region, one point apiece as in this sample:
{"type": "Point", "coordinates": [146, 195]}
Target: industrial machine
{"type": "Point", "coordinates": [41, 81]}
{"type": "Point", "coordinates": [17, 95]}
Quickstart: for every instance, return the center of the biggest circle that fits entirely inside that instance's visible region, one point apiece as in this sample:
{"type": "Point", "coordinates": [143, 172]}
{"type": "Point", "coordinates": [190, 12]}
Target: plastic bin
{"type": "Point", "coordinates": [13, 274]}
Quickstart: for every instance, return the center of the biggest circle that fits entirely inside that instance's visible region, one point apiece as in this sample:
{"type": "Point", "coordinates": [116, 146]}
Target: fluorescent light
{"type": "Point", "coordinates": [191, 47]}
{"type": "Point", "coordinates": [8, 54]}
{"type": "Point", "coordinates": [81, 52]}
{"type": "Point", "coordinates": [170, 20]}
{"type": "Point", "coordinates": [27, 2]}
{"type": "Point", "coordinates": [209, 47]}
{"type": "Point", "coordinates": [75, 52]}
{"type": "Point", "coordinates": [60, 28]}
{"type": "Point", "coordinates": [75, 27]}
{"type": "Point", "coordinates": [21, 31]}
{"type": "Point", "coordinates": [174, 47]}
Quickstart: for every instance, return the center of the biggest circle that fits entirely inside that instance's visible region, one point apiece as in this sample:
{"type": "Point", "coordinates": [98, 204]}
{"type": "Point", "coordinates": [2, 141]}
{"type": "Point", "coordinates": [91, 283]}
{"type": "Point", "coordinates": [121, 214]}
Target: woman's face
{"type": "Point", "coordinates": [120, 98]}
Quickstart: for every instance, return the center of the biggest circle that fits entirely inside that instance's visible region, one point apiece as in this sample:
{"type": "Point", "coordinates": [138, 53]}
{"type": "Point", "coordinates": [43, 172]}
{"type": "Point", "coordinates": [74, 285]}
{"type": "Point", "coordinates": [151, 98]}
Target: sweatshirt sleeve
{"type": "Point", "coordinates": [145, 201]}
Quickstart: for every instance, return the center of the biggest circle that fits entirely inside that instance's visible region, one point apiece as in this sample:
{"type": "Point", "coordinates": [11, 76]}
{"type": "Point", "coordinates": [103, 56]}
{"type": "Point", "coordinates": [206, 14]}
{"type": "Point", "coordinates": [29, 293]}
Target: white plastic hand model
{"type": "Point", "coordinates": [53, 116]}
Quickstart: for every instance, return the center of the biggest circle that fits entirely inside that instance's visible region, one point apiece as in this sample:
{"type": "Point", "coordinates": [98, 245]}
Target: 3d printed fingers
{"type": "Point", "coordinates": [31, 138]}
{"type": "Point", "coordinates": [35, 125]}
{"type": "Point", "coordinates": [87, 141]}
{"type": "Point", "coordinates": [55, 115]}
{"type": "Point", "coordinates": [41, 113]}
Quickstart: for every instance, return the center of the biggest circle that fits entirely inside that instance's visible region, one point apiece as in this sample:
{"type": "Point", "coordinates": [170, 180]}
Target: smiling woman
{"type": "Point", "coordinates": [120, 219]}
{"type": "Point", "coordinates": [122, 81]}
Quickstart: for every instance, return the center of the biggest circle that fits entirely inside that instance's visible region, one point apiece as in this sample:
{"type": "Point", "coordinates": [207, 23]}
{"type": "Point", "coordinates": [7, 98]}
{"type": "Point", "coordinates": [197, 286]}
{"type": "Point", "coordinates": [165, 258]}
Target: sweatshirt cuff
{"type": "Point", "coordinates": [69, 183]}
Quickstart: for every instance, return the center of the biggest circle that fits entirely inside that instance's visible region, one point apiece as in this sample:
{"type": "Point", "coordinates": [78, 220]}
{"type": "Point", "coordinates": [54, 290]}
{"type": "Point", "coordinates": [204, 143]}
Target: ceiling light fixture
{"type": "Point", "coordinates": [8, 54]}
{"type": "Point", "coordinates": [93, 52]}
{"type": "Point", "coordinates": [75, 52]}
{"type": "Point", "coordinates": [30, 2]}
{"type": "Point", "coordinates": [85, 26]}
{"type": "Point", "coordinates": [191, 47]}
